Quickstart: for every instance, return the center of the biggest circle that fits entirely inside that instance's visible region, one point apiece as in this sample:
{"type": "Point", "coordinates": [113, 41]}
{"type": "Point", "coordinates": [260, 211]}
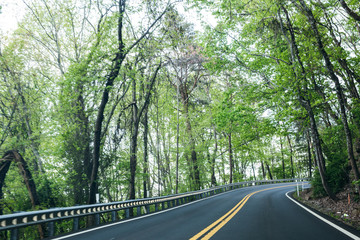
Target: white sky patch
{"type": "Point", "coordinates": [11, 13]}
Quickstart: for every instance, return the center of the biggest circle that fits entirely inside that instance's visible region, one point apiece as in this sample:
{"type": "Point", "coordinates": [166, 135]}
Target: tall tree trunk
{"type": "Point", "coordinates": [291, 157]}
{"type": "Point", "coordinates": [28, 179]}
{"type": "Point", "coordinates": [158, 147]}
{"type": "Point", "coordinates": [136, 116]}
{"type": "Point", "coordinates": [339, 92]}
{"type": "Point", "coordinates": [282, 158]}
{"type": "Point", "coordinates": [263, 170]}
{"type": "Point", "coordinates": [195, 173]}
{"type": "Point", "coordinates": [133, 141]}
{"type": "Point", "coordinates": [114, 72]}
{"type": "Point", "coordinates": [308, 140]}
{"type": "Point", "coordinates": [351, 13]}
{"type": "Point", "coordinates": [231, 161]}
{"type": "Point", "coordinates": [177, 137]}
{"type": "Point", "coordinates": [253, 170]}
{"type": "Point", "coordinates": [213, 159]}
{"type": "Point", "coordinates": [268, 169]}
{"type": "Point", "coordinates": [305, 102]}
{"type": "Point", "coordinates": [146, 155]}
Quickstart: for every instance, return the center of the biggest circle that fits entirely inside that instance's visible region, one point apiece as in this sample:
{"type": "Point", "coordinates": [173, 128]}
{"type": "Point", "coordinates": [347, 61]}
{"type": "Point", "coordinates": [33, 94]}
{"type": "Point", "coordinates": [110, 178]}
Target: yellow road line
{"type": "Point", "coordinates": [218, 224]}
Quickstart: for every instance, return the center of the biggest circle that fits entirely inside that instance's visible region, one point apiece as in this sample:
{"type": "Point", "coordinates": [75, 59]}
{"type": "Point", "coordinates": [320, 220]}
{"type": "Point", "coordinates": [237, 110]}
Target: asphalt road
{"type": "Point", "coordinates": [258, 212]}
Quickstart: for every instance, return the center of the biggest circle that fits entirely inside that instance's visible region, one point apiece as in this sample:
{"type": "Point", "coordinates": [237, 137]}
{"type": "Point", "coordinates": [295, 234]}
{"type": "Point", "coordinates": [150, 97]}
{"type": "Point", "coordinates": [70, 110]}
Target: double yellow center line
{"type": "Point", "coordinates": [209, 231]}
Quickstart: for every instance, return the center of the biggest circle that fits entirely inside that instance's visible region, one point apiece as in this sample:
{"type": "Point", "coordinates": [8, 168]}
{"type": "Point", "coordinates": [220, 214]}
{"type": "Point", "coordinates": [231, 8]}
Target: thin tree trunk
{"type": "Point", "coordinates": [213, 159]}
{"type": "Point", "coordinates": [117, 62]}
{"type": "Point", "coordinates": [282, 158]}
{"type": "Point", "coordinates": [231, 161]}
{"type": "Point", "coordinates": [291, 156]}
{"type": "Point", "coordinates": [177, 138]}
{"type": "Point", "coordinates": [263, 170]}
{"type": "Point", "coordinates": [133, 141]}
{"type": "Point", "coordinates": [5, 162]}
{"type": "Point", "coordinates": [268, 169]}
{"type": "Point", "coordinates": [195, 174]}
{"type": "Point", "coordinates": [351, 13]}
{"type": "Point", "coordinates": [146, 155]}
{"type": "Point", "coordinates": [253, 170]}
{"type": "Point", "coordinates": [308, 140]}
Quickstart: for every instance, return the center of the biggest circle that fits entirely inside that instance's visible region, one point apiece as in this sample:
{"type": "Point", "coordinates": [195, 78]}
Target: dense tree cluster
{"type": "Point", "coordinates": [128, 99]}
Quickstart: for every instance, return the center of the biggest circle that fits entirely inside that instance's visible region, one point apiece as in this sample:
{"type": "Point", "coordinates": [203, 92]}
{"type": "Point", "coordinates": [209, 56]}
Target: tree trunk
{"type": "Point", "coordinates": [146, 164]}
{"type": "Point", "coordinates": [268, 169]}
{"type": "Point", "coordinates": [253, 170]}
{"type": "Point", "coordinates": [136, 116]}
{"type": "Point", "coordinates": [195, 173]}
{"type": "Point", "coordinates": [231, 161]}
{"type": "Point", "coordinates": [339, 92]}
{"type": "Point", "coordinates": [282, 158]}
{"type": "Point", "coordinates": [263, 170]}
{"type": "Point", "coordinates": [213, 159]}
{"type": "Point", "coordinates": [308, 140]}
{"type": "Point", "coordinates": [117, 62]}
{"type": "Point", "coordinates": [291, 157]}
{"type": "Point", "coordinates": [177, 138]}
{"type": "Point", "coordinates": [28, 179]}
{"type": "Point", "coordinates": [351, 13]}
{"type": "Point", "coordinates": [133, 141]}
{"type": "Point", "coordinates": [306, 104]}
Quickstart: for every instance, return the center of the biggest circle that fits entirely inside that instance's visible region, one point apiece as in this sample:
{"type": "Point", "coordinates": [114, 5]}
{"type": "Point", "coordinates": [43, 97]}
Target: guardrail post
{"type": "Point", "coordinates": [138, 211]}
{"type": "Point", "coordinates": [127, 213]}
{"type": "Point", "coordinates": [50, 228]}
{"type": "Point", "coordinates": [162, 205]}
{"type": "Point", "coordinates": [113, 216]}
{"type": "Point", "coordinates": [147, 207]}
{"type": "Point", "coordinates": [14, 234]}
{"type": "Point", "coordinates": [97, 219]}
{"type": "Point", "coordinates": [75, 224]}
{"type": "Point", "coordinates": [156, 207]}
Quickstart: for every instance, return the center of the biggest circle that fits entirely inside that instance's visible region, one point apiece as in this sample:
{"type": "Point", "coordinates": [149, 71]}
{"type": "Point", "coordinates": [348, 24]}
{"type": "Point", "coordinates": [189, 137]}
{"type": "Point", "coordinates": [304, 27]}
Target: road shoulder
{"type": "Point", "coordinates": [346, 229]}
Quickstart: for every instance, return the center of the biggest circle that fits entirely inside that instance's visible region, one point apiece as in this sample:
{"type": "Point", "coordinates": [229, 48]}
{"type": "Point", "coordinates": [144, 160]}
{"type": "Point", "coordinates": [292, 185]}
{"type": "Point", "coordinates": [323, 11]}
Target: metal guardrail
{"type": "Point", "coordinates": [13, 222]}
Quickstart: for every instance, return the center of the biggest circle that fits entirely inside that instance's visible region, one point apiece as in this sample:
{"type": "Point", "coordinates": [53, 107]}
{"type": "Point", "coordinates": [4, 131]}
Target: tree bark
{"type": "Point", "coordinates": [27, 176]}
{"type": "Point", "coordinates": [351, 13]}
{"type": "Point", "coordinates": [136, 116]}
{"type": "Point", "coordinates": [308, 140]}
{"type": "Point", "coordinates": [213, 159]}
{"type": "Point", "coordinates": [146, 155]}
{"type": "Point", "coordinates": [263, 170]}
{"type": "Point", "coordinates": [195, 173]}
{"type": "Point", "coordinates": [282, 158]}
{"type": "Point", "coordinates": [114, 72]}
{"type": "Point", "coordinates": [291, 157]}
{"type": "Point", "coordinates": [231, 161]}
{"type": "Point", "coordinates": [268, 169]}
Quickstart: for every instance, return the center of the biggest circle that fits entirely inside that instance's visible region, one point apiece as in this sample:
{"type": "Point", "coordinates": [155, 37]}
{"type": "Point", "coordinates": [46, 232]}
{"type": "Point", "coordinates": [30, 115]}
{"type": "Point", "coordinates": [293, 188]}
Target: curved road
{"type": "Point", "coordinates": [258, 212]}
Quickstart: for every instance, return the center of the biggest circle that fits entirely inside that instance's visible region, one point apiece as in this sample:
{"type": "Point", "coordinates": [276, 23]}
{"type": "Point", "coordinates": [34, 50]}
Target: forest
{"type": "Point", "coordinates": [133, 99]}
